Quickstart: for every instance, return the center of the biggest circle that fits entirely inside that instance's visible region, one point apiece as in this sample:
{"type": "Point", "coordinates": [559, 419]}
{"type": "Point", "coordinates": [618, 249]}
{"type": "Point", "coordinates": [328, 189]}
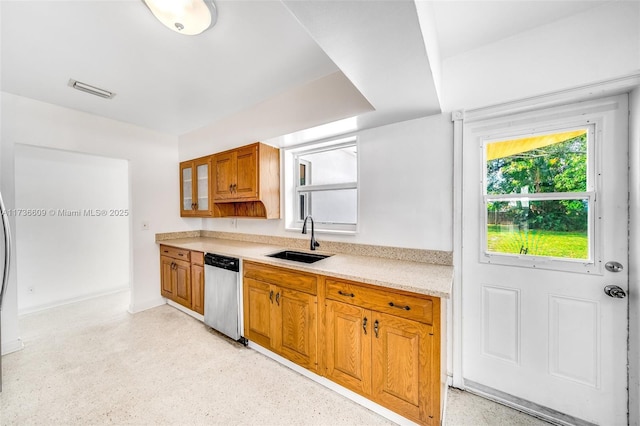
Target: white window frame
{"type": "Point", "coordinates": [292, 218]}
{"type": "Point", "coordinates": [590, 265]}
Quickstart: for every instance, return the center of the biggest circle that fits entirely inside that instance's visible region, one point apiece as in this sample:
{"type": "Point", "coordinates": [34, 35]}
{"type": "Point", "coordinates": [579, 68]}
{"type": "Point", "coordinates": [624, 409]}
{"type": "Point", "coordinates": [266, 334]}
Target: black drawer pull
{"type": "Point", "coordinates": [393, 305]}
{"type": "Point", "coordinates": [342, 293]}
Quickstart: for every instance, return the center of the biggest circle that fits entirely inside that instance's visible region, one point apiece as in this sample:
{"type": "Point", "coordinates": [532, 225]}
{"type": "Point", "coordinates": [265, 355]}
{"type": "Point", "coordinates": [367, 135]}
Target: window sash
{"type": "Point", "coordinates": [302, 190]}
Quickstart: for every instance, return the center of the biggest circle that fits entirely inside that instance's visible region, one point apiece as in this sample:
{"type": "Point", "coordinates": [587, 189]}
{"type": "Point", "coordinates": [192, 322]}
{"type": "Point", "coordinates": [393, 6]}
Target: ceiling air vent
{"type": "Point", "coordinates": [87, 88]}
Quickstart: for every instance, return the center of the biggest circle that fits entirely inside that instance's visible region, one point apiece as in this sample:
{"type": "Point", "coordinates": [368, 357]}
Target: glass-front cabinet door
{"type": "Point", "coordinates": [202, 168]}
{"type": "Point", "coordinates": [195, 186]}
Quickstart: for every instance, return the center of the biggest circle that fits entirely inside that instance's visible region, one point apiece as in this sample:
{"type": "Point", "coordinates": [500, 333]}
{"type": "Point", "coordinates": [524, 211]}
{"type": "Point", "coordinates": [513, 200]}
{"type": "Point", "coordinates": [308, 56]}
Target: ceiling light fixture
{"type": "Point", "coordinates": [87, 88]}
{"type": "Point", "coordinates": [189, 17]}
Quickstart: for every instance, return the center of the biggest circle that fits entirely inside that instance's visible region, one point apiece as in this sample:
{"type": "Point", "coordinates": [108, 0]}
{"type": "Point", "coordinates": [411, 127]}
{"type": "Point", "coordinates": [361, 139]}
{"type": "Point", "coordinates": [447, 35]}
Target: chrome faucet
{"type": "Point", "coordinates": [314, 243]}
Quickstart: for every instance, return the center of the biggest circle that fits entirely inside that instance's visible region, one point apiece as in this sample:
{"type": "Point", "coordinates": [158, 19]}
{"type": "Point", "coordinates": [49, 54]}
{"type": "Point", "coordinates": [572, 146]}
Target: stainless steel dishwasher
{"type": "Point", "coordinates": [222, 295]}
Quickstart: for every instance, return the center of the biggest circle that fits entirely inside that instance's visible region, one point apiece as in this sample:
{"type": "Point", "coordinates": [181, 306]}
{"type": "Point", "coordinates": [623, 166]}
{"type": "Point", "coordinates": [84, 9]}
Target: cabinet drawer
{"type": "Point", "coordinates": [294, 280]}
{"type": "Point", "coordinates": [197, 258]}
{"type": "Point", "coordinates": [176, 253]}
{"type": "Point", "coordinates": [413, 307]}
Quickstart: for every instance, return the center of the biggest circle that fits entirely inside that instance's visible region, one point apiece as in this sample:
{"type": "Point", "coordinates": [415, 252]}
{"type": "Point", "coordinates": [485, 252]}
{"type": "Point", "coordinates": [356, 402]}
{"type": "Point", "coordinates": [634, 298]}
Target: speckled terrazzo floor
{"type": "Point", "coordinates": [93, 363]}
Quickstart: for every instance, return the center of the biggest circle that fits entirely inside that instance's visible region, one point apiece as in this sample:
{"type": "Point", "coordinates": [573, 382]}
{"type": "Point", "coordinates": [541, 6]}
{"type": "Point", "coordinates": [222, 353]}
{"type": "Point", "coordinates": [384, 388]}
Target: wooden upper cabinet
{"type": "Point", "coordinates": [195, 187]}
{"type": "Point", "coordinates": [224, 172]}
{"type": "Point", "coordinates": [247, 182]}
{"type": "Point", "coordinates": [247, 173]}
{"type": "Point", "coordinates": [236, 174]}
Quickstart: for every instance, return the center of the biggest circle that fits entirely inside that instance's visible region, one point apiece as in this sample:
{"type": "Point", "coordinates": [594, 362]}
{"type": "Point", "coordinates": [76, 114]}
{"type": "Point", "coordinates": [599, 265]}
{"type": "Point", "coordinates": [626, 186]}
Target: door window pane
{"type": "Point", "coordinates": [554, 228]}
{"type": "Point", "coordinates": [539, 223]}
{"type": "Point", "coordinates": [539, 164]}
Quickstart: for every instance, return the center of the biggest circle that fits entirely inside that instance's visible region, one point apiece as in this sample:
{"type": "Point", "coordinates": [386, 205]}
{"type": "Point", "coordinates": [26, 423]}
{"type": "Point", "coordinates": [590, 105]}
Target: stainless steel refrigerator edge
{"type": "Point", "coordinates": [5, 273]}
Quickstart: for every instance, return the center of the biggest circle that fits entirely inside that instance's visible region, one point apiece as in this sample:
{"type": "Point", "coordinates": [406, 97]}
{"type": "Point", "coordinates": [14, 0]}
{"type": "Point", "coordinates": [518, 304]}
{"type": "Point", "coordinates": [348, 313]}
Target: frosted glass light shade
{"type": "Point", "coordinates": [189, 17]}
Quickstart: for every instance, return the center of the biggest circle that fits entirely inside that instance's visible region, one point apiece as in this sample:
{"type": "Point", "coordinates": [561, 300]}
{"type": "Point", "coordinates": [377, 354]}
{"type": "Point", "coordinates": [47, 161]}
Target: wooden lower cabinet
{"type": "Point", "coordinates": [282, 320]}
{"type": "Point", "coordinates": [382, 357]}
{"type": "Point", "coordinates": [296, 327]}
{"type": "Point", "coordinates": [381, 343]}
{"type": "Point", "coordinates": [197, 287]}
{"type": "Point", "coordinates": [182, 277]}
{"type": "Point", "coordinates": [402, 374]}
{"type": "Point", "coordinates": [348, 346]}
{"type": "Point", "coordinates": [176, 280]}
{"type": "Point", "coordinates": [258, 299]}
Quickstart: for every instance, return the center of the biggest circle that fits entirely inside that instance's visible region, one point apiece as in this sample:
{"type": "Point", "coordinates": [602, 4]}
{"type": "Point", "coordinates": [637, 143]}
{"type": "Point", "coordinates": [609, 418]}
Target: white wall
{"type": "Point", "coordinates": [153, 184]}
{"type": "Point", "coordinates": [322, 101]}
{"type": "Point", "coordinates": [634, 256]}
{"type": "Point", "coordinates": [62, 257]}
{"type": "Point", "coordinates": [406, 187]}
{"type": "Point", "coordinates": [597, 45]}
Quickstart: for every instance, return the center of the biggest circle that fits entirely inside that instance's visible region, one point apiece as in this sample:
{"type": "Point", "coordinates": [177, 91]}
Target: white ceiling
{"type": "Point", "coordinates": [162, 80]}
{"type": "Point", "coordinates": [467, 25]}
{"type": "Point", "coordinates": [257, 51]}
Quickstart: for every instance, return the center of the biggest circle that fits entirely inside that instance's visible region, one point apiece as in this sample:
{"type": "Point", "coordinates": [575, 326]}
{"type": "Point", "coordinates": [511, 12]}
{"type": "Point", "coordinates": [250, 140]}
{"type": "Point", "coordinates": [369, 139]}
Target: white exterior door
{"type": "Point", "coordinates": [538, 330]}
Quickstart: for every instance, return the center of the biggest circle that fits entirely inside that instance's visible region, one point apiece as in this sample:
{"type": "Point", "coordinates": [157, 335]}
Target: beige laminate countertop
{"type": "Point", "coordinates": [416, 277]}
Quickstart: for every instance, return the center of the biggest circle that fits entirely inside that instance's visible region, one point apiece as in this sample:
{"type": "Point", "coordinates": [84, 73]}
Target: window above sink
{"type": "Point", "coordinates": [321, 180]}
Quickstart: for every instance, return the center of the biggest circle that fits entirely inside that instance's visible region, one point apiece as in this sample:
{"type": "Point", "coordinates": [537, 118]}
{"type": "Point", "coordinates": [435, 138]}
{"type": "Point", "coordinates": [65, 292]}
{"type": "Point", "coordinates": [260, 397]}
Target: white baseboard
{"type": "Point", "coordinates": [134, 308]}
{"type": "Point", "coordinates": [38, 308]}
{"type": "Point", "coordinates": [443, 419]}
{"type": "Point", "coordinates": [359, 399]}
{"type": "Point", "coordinates": [185, 310]}
{"type": "Point", "coordinates": [12, 346]}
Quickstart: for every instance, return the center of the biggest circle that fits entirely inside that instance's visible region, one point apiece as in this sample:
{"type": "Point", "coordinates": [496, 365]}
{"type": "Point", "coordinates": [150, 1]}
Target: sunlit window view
{"type": "Point", "coordinates": [537, 199]}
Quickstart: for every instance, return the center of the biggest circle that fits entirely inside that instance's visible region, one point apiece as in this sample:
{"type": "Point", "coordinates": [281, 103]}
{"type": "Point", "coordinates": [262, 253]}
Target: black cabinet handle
{"type": "Point", "coordinates": [376, 324]}
{"type": "Point", "coordinates": [364, 325]}
{"type": "Point", "coordinates": [342, 293]}
{"type": "Point", "coordinates": [406, 308]}
{"type": "Point", "coordinates": [271, 296]}
{"type": "Point", "coordinates": [278, 299]}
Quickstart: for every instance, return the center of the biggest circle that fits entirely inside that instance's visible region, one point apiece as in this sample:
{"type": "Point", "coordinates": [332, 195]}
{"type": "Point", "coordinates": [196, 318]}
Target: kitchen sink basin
{"type": "Point", "coordinates": [299, 256]}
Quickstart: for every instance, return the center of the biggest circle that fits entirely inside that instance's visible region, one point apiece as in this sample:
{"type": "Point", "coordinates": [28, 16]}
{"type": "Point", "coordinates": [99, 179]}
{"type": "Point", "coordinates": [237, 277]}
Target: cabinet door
{"type": "Point", "coordinates": [202, 173]}
{"type": "Point", "coordinates": [187, 201]}
{"type": "Point", "coordinates": [348, 343]}
{"type": "Point", "coordinates": [258, 299]}
{"type": "Point", "coordinates": [401, 371]}
{"type": "Point", "coordinates": [246, 173]}
{"type": "Point", "coordinates": [166, 277]}
{"type": "Point", "coordinates": [182, 278]}
{"type": "Point", "coordinates": [224, 175]}
{"type": "Point", "coordinates": [295, 332]}
{"type": "Point", "coordinates": [197, 288]}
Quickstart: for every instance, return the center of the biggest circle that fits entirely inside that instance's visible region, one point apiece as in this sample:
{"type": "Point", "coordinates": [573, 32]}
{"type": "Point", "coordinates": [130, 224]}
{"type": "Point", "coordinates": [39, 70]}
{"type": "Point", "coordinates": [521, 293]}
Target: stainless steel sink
{"type": "Point", "coordinates": [299, 256]}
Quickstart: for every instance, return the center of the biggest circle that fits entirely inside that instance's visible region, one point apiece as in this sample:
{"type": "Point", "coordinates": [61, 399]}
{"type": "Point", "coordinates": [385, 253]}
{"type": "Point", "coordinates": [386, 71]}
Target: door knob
{"type": "Point", "coordinates": [615, 291]}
